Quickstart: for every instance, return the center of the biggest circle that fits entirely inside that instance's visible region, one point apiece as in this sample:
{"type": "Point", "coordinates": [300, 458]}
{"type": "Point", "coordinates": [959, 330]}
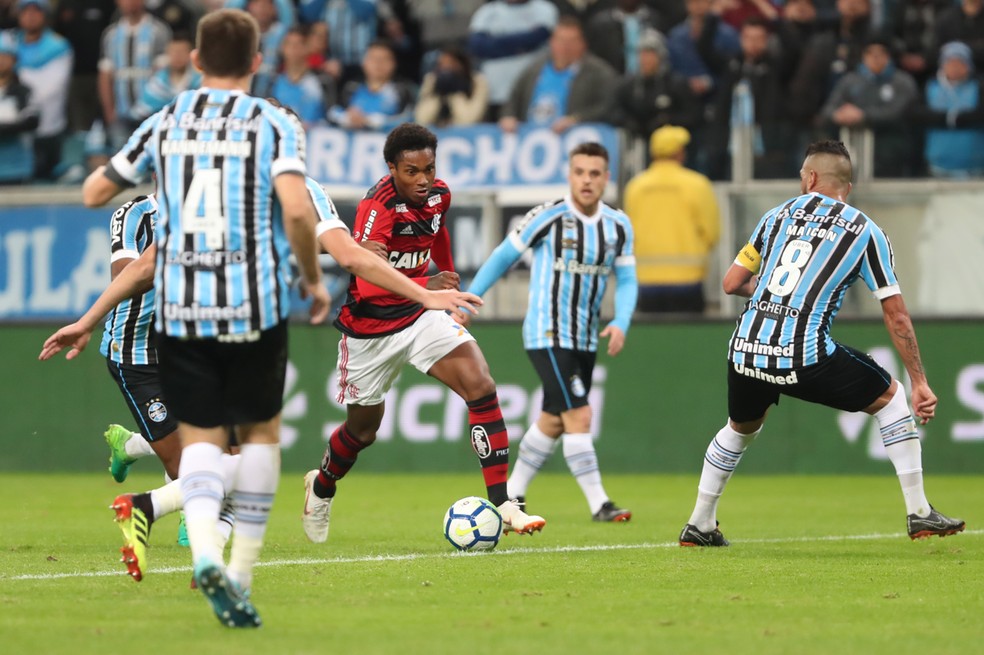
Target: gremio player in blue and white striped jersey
{"type": "Point", "coordinates": [795, 269]}
{"type": "Point", "coordinates": [577, 243]}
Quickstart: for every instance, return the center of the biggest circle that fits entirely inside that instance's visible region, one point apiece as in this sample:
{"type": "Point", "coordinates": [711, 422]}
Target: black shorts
{"type": "Point", "coordinates": [566, 376]}
{"type": "Point", "coordinates": [211, 383]}
{"type": "Point", "coordinates": [141, 389]}
{"type": "Point", "coordinates": [848, 380]}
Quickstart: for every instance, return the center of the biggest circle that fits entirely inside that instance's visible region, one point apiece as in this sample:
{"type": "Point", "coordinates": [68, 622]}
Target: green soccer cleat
{"type": "Point", "coordinates": [231, 604]}
{"type": "Point", "coordinates": [183, 533]}
{"type": "Point", "coordinates": [119, 461]}
{"type": "Point", "coordinates": [135, 527]}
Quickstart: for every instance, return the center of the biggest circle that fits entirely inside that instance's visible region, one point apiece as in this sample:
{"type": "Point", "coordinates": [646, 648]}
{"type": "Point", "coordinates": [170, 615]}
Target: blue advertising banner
{"type": "Point", "coordinates": [54, 260]}
{"type": "Point", "coordinates": [479, 157]}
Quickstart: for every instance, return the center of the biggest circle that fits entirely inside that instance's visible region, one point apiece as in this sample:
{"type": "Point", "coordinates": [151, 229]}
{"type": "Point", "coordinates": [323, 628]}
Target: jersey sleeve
{"type": "Point", "coordinates": [750, 256]}
{"type": "Point", "coordinates": [373, 222]}
{"type": "Point", "coordinates": [878, 265]}
{"type": "Point", "coordinates": [123, 232]}
{"type": "Point", "coordinates": [625, 256]}
{"type": "Point", "coordinates": [532, 228]}
{"type": "Point", "coordinates": [130, 165]}
{"type": "Point", "coordinates": [327, 214]}
{"type": "Point", "coordinates": [291, 143]}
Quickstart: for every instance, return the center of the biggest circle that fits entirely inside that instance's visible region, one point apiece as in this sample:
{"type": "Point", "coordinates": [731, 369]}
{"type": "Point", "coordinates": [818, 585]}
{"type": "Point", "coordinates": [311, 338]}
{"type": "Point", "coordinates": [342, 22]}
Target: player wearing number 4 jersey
{"type": "Point", "coordinates": [799, 262]}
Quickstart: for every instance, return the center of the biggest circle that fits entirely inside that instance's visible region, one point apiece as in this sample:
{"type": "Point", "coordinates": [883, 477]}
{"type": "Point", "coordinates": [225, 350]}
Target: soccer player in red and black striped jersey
{"type": "Point", "coordinates": [403, 218]}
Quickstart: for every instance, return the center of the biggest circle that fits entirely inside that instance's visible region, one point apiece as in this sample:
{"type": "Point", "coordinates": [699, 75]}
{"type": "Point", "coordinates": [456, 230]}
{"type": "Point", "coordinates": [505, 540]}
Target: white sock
{"type": "Point", "coordinates": [230, 466]}
{"type": "Point", "coordinates": [582, 460]}
{"type": "Point", "coordinates": [252, 498]}
{"type": "Point", "coordinates": [722, 457]}
{"type": "Point", "coordinates": [898, 432]}
{"type": "Point", "coordinates": [227, 519]}
{"type": "Point", "coordinates": [136, 446]}
{"type": "Point", "coordinates": [166, 499]}
{"type": "Point", "coordinates": [200, 476]}
{"type": "Point", "coordinates": [534, 450]}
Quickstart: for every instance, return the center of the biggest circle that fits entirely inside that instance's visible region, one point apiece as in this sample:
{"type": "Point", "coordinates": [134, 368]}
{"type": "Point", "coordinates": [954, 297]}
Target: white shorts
{"type": "Point", "coordinates": [367, 368]}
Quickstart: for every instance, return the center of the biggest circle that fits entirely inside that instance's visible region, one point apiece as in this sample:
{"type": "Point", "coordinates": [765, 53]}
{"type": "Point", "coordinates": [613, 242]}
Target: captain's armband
{"type": "Point", "coordinates": [749, 258]}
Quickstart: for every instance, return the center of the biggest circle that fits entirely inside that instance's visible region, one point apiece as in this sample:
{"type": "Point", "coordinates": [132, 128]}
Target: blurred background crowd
{"type": "Point", "coordinates": [76, 76]}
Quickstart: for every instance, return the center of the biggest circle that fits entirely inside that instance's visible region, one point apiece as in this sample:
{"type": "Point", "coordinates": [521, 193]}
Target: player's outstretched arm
{"type": "Point", "coordinates": [899, 326]}
{"type": "Point", "coordinates": [739, 281]}
{"type": "Point", "coordinates": [98, 189]}
{"type": "Point", "coordinates": [136, 278]}
{"type": "Point", "coordinates": [504, 256]}
{"type": "Point", "coordinates": [370, 267]}
{"type": "Point", "coordinates": [299, 218]}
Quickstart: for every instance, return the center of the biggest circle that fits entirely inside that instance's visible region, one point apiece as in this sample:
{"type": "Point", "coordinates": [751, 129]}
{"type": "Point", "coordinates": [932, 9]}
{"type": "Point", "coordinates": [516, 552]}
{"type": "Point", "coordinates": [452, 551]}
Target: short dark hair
{"type": "Point", "coordinates": [408, 137]}
{"type": "Point", "coordinates": [591, 149]}
{"type": "Point", "coordinates": [570, 21]}
{"type": "Point", "coordinates": [383, 43]}
{"type": "Point", "coordinates": [227, 42]}
{"type": "Point", "coordinates": [828, 147]}
{"type": "Point", "coordinates": [183, 36]}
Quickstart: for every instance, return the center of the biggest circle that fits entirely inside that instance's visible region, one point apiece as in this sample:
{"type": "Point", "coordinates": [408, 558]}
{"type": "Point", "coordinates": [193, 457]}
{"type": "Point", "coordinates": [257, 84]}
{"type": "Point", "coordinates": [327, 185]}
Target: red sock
{"type": "Point", "coordinates": [491, 443]}
{"type": "Point", "coordinates": [343, 449]}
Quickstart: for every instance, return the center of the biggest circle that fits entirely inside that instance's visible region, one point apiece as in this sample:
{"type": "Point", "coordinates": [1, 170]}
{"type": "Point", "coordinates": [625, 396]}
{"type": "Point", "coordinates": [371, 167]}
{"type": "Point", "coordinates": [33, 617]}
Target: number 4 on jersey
{"type": "Point", "coordinates": [201, 212]}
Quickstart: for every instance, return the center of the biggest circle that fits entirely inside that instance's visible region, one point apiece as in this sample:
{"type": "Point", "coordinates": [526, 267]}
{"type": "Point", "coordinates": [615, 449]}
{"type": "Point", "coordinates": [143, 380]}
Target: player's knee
{"type": "Point", "coordinates": [577, 420]}
{"type": "Point", "coordinates": [477, 386]}
{"type": "Point", "coordinates": [365, 436]}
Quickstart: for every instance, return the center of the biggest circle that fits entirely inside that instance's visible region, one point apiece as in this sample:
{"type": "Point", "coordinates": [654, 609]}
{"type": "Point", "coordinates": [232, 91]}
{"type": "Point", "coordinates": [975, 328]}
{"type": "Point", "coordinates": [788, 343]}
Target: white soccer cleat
{"type": "Point", "coordinates": [317, 511]}
{"type": "Point", "coordinates": [516, 520]}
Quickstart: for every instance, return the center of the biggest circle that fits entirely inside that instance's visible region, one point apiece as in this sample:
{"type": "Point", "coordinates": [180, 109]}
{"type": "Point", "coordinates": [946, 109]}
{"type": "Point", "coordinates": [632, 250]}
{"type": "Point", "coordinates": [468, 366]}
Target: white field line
{"type": "Point", "coordinates": [406, 557]}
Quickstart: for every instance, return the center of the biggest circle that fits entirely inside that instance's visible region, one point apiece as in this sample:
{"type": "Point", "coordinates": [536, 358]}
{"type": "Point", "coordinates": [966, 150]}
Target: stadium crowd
{"type": "Point", "coordinates": [77, 76]}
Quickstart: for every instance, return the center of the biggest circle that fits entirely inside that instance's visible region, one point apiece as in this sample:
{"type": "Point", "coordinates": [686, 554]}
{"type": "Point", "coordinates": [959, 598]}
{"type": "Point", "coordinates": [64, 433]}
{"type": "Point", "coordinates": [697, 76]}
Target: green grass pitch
{"type": "Point", "coordinates": [817, 565]}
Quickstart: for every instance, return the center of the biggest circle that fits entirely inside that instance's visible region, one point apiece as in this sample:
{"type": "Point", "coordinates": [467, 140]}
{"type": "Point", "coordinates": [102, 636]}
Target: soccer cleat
{"type": "Point", "coordinates": [183, 532]}
{"type": "Point", "coordinates": [935, 523]}
{"type": "Point", "coordinates": [119, 462]}
{"type": "Point", "coordinates": [230, 604]}
{"type": "Point", "coordinates": [520, 502]}
{"type": "Point", "coordinates": [691, 536]}
{"type": "Point", "coordinates": [611, 513]}
{"type": "Point", "coordinates": [136, 529]}
{"type": "Point", "coordinates": [317, 511]}
{"type": "Point", "coordinates": [516, 520]}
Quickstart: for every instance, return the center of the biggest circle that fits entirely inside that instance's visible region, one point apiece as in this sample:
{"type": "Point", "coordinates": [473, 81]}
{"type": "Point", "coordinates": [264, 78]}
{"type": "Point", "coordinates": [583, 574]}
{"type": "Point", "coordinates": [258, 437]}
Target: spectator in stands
{"type": "Point", "coordinates": [272, 30]}
{"type": "Point", "coordinates": [18, 121]}
{"type": "Point", "coordinates": [826, 58]}
{"type": "Point", "coordinates": [82, 23]}
{"type": "Point", "coordinates": [674, 216]}
{"type": "Point", "coordinates": [177, 76]}
{"type": "Point", "coordinates": [883, 98]}
{"type": "Point", "coordinates": [613, 34]}
{"type": "Point", "coordinates": [132, 50]}
{"type": "Point", "coordinates": [655, 96]}
{"type": "Point", "coordinates": [913, 25]}
{"type": "Point", "coordinates": [964, 23]}
{"type": "Point", "coordinates": [8, 14]}
{"type": "Point", "coordinates": [352, 24]}
{"type": "Point", "coordinates": [298, 87]}
{"type": "Point", "coordinates": [44, 65]}
{"type": "Point", "coordinates": [954, 115]}
{"type": "Point", "coordinates": [702, 24]}
{"type": "Point", "coordinates": [176, 14]}
{"type": "Point", "coordinates": [507, 35]}
{"type": "Point", "coordinates": [379, 103]}
{"type": "Point", "coordinates": [750, 94]}
{"type": "Point", "coordinates": [795, 28]}
{"type": "Point", "coordinates": [736, 12]}
{"type": "Point", "coordinates": [452, 94]}
{"type": "Point", "coordinates": [442, 24]}
{"type": "Point", "coordinates": [565, 86]}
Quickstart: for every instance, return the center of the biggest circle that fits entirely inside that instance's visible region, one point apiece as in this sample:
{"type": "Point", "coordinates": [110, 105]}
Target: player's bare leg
{"type": "Point", "coordinates": [465, 371]}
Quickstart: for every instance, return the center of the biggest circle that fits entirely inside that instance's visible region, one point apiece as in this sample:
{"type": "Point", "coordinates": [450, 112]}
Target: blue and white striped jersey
{"type": "Point", "coordinates": [327, 214]}
{"type": "Point", "coordinates": [807, 252]}
{"type": "Point", "coordinates": [132, 53]}
{"type": "Point", "coordinates": [573, 256]}
{"type": "Point", "coordinates": [222, 262]}
{"type": "Point", "coordinates": [128, 336]}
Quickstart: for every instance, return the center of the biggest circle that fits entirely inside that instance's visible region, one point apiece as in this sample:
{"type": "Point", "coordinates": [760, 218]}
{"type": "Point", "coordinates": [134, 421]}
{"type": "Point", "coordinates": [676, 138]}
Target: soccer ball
{"type": "Point", "coordinates": [473, 523]}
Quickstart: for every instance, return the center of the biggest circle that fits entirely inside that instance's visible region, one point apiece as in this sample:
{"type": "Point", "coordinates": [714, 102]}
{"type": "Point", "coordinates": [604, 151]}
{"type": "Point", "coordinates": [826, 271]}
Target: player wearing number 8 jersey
{"type": "Point", "coordinates": [799, 262]}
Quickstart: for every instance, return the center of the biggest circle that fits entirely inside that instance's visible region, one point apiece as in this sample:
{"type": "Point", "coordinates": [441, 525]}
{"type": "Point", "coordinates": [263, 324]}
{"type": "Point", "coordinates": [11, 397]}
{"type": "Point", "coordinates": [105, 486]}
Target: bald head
{"type": "Point", "coordinates": [827, 169]}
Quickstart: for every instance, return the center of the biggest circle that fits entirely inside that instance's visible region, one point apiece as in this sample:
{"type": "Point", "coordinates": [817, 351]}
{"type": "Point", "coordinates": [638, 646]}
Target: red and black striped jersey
{"type": "Point", "coordinates": [413, 235]}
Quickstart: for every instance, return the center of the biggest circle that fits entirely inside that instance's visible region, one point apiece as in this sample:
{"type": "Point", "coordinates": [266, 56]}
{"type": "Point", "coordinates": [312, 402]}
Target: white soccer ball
{"type": "Point", "coordinates": [472, 523]}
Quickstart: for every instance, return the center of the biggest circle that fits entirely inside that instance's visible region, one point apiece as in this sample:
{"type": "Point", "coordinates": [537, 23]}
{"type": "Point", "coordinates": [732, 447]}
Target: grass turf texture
{"type": "Point", "coordinates": [817, 565]}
